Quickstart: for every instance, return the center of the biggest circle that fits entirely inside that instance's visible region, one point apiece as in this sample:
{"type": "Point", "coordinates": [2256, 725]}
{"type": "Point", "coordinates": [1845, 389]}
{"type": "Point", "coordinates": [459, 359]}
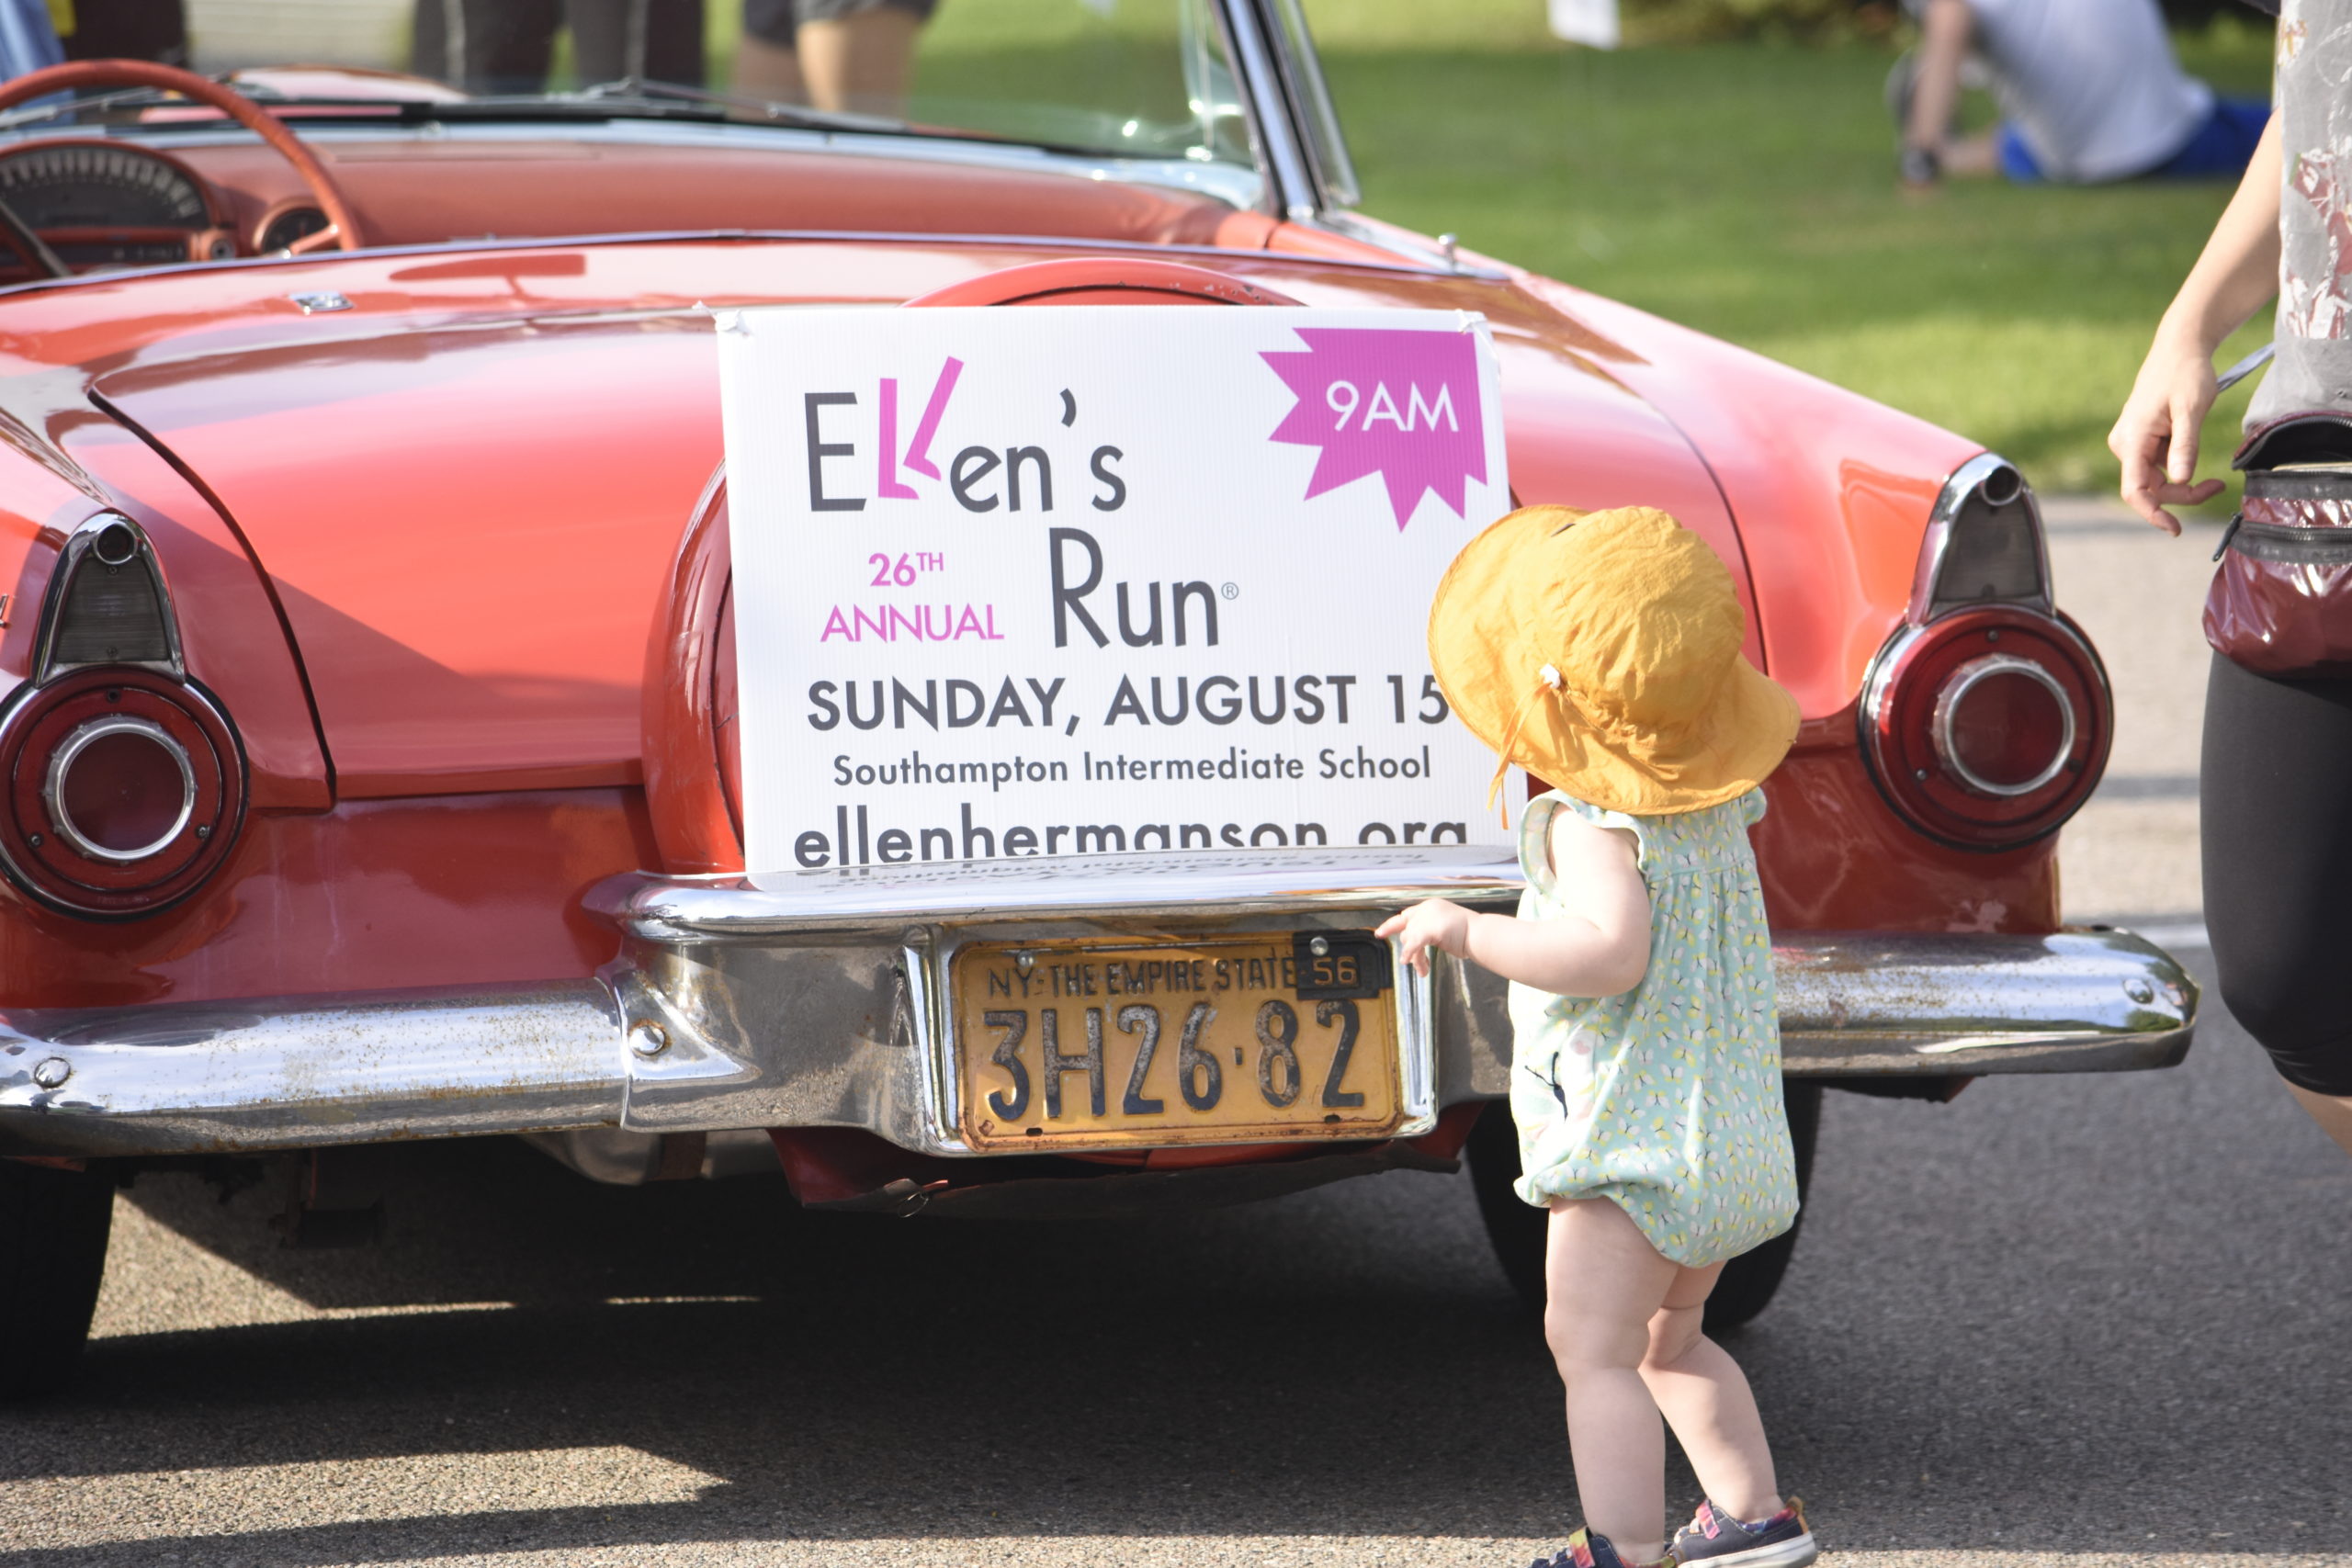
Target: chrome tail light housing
{"type": "Point", "coordinates": [124, 783]}
{"type": "Point", "coordinates": [1987, 718]}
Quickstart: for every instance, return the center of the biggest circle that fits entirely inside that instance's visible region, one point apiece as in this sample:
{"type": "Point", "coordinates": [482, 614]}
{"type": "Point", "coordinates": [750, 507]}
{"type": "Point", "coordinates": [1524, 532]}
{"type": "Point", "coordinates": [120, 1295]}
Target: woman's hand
{"type": "Point", "coordinates": [2156, 435]}
{"type": "Point", "coordinates": [1433, 922]}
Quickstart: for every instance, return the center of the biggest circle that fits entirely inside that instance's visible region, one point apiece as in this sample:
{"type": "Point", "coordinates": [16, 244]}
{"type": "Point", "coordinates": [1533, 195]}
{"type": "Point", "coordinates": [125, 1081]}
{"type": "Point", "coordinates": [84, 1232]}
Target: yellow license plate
{"type": "Point", "coordinates": [1249, 1039]}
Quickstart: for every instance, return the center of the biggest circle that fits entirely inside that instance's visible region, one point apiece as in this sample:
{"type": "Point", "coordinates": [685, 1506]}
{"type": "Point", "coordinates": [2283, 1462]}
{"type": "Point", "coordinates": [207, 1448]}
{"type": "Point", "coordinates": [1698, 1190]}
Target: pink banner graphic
{"type": "Point", "coordinates": [1402, 404]}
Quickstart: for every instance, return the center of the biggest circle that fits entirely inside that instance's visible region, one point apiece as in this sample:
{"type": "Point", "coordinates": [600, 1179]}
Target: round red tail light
{"type": "Point", "coordinates": [123, 790]}
{"type": "Point", "coordinates": [2004, 725]}
{"type": "Point", "coordinates": [1987, 728]}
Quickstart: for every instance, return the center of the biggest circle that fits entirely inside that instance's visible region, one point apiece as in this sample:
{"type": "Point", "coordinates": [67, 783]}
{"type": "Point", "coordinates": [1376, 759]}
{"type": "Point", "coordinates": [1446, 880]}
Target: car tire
{"type": "Point", "coordinates": [1517, 1229]}
{"type": "Point", "coordinates": [53, 1229]}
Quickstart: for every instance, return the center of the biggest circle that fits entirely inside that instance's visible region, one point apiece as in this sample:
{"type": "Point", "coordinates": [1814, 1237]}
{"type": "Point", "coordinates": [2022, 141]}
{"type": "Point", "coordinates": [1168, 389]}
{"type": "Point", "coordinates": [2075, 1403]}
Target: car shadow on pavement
{"type": "Point", "coordinates": [1262, 1371]}
{"type": "Point", "coordinates": [2062, 1317]}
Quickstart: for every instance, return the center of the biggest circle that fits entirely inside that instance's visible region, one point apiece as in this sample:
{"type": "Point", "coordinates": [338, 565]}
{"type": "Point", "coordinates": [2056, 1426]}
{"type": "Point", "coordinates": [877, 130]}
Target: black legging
{"type": "Point", "coordinates": [2276, 810]}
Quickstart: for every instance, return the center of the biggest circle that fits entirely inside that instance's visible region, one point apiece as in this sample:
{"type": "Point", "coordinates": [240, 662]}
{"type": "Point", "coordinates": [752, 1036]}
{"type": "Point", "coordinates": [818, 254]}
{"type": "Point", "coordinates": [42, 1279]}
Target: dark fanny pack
{"type": "Point", "coordinates": [2280, 603]}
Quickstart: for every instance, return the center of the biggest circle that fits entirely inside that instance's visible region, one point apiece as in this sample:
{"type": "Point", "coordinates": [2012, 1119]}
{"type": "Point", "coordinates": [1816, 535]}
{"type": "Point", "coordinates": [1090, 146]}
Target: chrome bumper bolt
{"type": "Point", "coordinates": [648, 1039]}
{"type": "Point", "coordinates": [54, 1072]}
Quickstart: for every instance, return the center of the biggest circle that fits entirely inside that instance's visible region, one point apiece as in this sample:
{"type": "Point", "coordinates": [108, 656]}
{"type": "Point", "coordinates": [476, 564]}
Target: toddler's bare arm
{"type": "Point", "coordinates": [1599, 947]}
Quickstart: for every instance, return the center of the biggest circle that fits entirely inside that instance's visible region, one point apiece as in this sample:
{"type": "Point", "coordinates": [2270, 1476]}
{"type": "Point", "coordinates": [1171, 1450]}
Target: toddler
{"type": "Point", "coordinates": [1601, 653]}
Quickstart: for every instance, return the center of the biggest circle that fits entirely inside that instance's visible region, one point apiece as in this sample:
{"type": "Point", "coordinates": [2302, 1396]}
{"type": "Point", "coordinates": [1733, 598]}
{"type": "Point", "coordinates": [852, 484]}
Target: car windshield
{"type": "Point", "coordinates": [1144, 79]}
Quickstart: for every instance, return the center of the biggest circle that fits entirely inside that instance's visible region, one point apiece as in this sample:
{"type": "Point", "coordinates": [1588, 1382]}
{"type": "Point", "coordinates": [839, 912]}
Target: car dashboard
{"type": "Point", "coordinates": [100, 204]}
{"type": "Point", "coordinates": [167, 197]}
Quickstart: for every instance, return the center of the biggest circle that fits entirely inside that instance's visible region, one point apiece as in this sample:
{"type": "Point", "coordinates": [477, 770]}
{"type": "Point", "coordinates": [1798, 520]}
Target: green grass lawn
{"type": "Point", "coordinates": [1748, 191]}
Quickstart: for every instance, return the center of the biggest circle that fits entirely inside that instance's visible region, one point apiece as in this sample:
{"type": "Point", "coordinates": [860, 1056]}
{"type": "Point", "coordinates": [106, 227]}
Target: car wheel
{"type": "Point", "coordinates": [53, 1228]}
{"type": "Point", "coordinates": [1517, 1229]}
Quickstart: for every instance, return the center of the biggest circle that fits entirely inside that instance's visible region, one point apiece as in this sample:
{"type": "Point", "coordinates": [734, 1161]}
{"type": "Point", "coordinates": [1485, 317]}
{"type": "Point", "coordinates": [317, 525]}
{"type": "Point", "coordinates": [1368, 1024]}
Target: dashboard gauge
{"type": "Point", "coordinates": [294, 224]}
{"type": "Point", "coordinates": [81, 185]}
{"type": "Point", "coordinates": [99, 205]}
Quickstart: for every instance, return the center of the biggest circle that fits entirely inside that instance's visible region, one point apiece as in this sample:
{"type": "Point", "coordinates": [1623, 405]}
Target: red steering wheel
{"type": "Point", "coordinates": [343, 228]}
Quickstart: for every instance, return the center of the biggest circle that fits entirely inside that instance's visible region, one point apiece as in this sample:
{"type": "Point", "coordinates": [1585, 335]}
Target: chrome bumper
{"type": "Point", "coordinates": [818, 1000]}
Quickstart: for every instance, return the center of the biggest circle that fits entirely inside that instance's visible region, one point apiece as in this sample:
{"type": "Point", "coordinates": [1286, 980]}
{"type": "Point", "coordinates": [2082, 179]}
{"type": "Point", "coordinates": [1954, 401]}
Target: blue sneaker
{"type": "Point", "coordinates": [1714, 1537]}
{"type": "Point", "coordinates": [1586, 1549]}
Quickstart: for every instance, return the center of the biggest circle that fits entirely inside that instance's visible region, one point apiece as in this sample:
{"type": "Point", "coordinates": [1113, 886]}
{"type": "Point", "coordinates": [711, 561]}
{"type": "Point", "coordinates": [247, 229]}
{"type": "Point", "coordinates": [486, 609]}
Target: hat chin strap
{"type": "Point", "coordinates": [1604, 721]}
{"type": "Point", "coordinates": [1548, 679]}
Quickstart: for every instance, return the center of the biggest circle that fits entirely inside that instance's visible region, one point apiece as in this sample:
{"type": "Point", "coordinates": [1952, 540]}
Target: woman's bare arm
{"type": "Point", "coordinates": [2155, 435]}
{"type": "Point", "coordinates": [1598, 947]}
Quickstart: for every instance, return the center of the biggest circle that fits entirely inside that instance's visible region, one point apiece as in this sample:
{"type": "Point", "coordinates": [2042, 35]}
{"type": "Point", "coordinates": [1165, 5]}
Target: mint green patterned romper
{"type": "Point", "coordinates": [1666, 1098]}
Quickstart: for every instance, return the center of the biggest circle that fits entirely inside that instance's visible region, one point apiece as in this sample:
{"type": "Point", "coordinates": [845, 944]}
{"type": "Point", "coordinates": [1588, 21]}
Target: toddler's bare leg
{"type": "Point", "coordinates": [1604, 1283]}
{"type": "Point", "coordinates": [1707, 1401]}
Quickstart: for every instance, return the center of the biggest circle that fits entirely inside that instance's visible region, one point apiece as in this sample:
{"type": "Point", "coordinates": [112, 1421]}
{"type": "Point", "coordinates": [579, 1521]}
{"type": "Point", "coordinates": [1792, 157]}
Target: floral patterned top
{"type": "Point", "coordinates": [1666, 1099]}
{"type": "Point", "coordinates": [2312, 329]}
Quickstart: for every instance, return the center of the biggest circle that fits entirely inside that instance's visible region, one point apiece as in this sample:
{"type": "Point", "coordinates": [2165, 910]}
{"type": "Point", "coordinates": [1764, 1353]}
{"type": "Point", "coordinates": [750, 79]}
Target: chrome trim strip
{"type": "Point", "coordinates": [1292, 184]}
{"type": "Point", "coordinates": [1416, 1049]}
{"type": "Point", "coordinates": [1404, 265]}
{"type": "Point", "coordinates": [71, 559]}
{"type": "Point", "coordinates": [1313, 111]}
{"type": "Point", "coordinates": [62, 759]}
{"type": "Point", "coordinates": [826, 1031]}
{"type": "Point", "coordinates": [1985, 467]}
{"type": "Point", "coordinates": [295, 1072]}
{"type": "Point", "coordinates": [1152, 886]}
{"type": "Point", "coordinates": [1924, 1005]}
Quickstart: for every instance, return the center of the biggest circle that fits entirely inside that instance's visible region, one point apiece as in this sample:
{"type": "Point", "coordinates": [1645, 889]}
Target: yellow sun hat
{"type": "Point", "coordinates": [1600, 651]}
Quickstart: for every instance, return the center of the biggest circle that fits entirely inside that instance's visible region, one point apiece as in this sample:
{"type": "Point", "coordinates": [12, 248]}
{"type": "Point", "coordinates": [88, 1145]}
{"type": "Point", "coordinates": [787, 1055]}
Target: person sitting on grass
{"type": "Point", "coordinates": [2090, 92]}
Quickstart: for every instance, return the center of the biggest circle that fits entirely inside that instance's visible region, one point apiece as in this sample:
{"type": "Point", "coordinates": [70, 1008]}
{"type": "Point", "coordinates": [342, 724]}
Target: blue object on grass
{"type": "Point", "coordinates": [2221, 149]}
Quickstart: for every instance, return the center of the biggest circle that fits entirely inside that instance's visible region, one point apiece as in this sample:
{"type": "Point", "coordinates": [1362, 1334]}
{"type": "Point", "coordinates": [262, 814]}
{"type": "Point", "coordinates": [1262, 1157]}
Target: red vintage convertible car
{"type": "Point", "coordinates": [368, 742]}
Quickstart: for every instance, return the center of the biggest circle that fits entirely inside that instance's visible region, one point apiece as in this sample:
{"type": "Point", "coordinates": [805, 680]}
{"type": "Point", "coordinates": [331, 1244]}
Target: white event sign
{"type": "Point", "coordinates": [1065, 580]}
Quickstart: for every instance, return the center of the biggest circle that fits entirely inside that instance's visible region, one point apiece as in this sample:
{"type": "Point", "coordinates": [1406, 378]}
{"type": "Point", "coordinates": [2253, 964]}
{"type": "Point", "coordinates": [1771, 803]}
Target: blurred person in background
{"type": "Point", "coordinates": [2089, 92]}
{"type": "Point", "coordinates": [121, 29]}
{"type": "Point", "coordinates": [27, 38]}
{"type": "Point", "coordinates": [507, 46]}
{"type": "Point", "coordinates": [840, 55]}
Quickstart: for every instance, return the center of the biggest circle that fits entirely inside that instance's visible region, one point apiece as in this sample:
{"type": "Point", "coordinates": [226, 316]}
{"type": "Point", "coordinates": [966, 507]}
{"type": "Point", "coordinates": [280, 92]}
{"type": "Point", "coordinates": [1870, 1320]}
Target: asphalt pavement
{"type": "Point", "coordinates": [2072, 1321]}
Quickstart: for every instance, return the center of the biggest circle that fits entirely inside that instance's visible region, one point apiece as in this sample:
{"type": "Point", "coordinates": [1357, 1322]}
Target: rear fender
{"type": "Point", "coordinates": [1831, 491]}
{"type": "Point", "coordinates": [231, 631]}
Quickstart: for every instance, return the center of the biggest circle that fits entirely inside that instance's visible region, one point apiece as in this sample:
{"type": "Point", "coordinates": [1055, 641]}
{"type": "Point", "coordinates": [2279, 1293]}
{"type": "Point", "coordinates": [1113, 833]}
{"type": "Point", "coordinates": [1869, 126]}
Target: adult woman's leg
{"type": "Point", "coordinates": [2276, 797]}
{"type": "Point", "coordinates": [2332, 1112]}
{"type": "Point", "coordinates": [1604, 1281]}
{"type": "Point", "coordinates": [858, 56]}
{"type": "Point", "coordinates": [1706, 1400]}
{"type": "Point", "coordinates": [766, 66]}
